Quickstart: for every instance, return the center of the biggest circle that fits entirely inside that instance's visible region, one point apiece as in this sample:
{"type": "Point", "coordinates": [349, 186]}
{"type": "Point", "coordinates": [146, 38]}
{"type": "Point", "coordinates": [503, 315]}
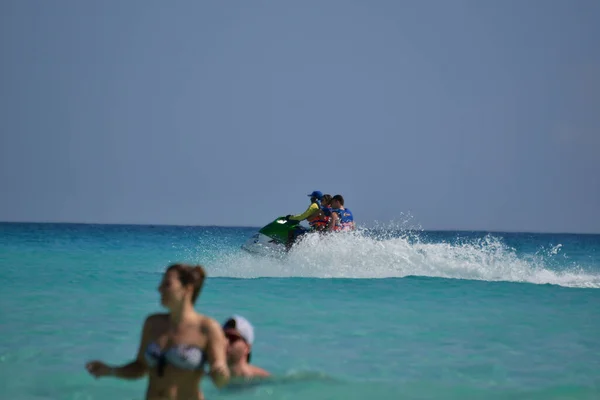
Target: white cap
{"type": "Point", "coordinates": [242, 325]}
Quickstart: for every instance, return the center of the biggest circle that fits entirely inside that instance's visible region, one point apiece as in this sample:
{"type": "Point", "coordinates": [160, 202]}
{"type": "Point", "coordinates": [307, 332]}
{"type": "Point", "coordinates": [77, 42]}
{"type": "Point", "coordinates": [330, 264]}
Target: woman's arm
{"type": "Point", "coordinates": [217, 354]}
{"type": "Point", "coordinates": [133, 370]}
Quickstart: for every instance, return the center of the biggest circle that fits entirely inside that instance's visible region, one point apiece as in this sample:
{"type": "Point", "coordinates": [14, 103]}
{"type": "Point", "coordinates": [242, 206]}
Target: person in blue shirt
{"type": "Point", "coordinates": [341, 218]}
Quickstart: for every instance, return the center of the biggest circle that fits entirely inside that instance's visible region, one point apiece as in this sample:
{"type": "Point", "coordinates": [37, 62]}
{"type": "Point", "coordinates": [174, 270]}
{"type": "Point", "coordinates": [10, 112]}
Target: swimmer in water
{"type": "Point", "coordinates": [176, 346]}
{"type": "Point", "coordinates": [240, 335]}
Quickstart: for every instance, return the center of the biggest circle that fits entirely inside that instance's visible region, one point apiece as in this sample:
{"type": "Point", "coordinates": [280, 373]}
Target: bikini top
{"type": "Point", "coordinates": [182, 356]}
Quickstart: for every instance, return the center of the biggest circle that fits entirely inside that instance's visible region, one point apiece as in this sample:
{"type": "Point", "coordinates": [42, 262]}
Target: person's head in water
{"type": "Point", "coordinates": [181, 283]}
{"type": "Point", "coordinates": [240, 336]}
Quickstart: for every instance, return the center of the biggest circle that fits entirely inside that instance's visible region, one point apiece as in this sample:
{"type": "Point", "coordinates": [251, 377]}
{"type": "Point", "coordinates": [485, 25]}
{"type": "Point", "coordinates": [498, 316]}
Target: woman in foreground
{"type": "Point", "coordinates": [175, 346]}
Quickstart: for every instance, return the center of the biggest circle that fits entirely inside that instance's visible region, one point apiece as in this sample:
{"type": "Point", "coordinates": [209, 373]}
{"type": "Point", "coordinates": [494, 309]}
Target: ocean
{"type": "Point", "coordinates": [384, 313]}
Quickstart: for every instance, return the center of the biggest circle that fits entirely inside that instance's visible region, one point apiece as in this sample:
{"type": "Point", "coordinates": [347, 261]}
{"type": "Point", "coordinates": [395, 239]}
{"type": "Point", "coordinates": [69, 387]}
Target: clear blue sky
{"type": "Point", "coordinates": [465, 114]}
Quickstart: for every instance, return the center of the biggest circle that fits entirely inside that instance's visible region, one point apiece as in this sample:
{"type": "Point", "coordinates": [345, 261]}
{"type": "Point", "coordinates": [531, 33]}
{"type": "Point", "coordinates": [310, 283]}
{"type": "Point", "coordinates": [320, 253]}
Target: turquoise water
{"type": "Point", "coordinates": [400, 315]}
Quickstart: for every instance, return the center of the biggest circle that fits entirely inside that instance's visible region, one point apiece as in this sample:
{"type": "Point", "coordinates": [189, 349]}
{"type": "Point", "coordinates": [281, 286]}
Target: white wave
{"type": "Point", "coordinates": [357, 255]}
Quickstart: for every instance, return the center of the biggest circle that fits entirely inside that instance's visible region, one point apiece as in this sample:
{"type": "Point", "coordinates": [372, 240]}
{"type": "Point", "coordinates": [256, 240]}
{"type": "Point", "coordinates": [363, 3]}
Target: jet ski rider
{"type": "Point", "coordinates": [311, 212]}
{"type": "Point", "coordinates": [319, 221]}
{"type": "Point", "coordinates": [341, 217]}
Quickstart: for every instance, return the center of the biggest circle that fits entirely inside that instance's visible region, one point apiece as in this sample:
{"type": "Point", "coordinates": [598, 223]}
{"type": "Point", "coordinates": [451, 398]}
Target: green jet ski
{"type": "Point", "coordinates": [274, 238]}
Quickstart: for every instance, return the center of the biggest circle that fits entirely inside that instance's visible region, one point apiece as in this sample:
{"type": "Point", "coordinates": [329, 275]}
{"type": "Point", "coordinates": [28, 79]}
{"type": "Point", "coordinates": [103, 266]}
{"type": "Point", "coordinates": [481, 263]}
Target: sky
{"type": "Point", "coordinates": [462, 115]}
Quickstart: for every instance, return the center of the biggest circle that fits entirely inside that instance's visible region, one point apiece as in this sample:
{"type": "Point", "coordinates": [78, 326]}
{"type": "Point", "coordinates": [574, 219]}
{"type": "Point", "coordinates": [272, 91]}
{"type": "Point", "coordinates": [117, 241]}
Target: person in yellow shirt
{"type": "Point", "coordinates": [313, 209]}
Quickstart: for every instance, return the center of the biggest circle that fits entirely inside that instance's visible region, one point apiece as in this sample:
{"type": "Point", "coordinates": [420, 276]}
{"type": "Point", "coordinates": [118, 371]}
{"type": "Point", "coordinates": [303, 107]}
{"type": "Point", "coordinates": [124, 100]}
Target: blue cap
{"type": "Point", "coordinates": [316, 194]}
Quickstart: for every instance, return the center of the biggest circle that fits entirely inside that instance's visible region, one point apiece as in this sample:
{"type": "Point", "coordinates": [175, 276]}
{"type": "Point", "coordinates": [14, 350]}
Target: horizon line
{"type": "Point", "coordinates": [258, 227]}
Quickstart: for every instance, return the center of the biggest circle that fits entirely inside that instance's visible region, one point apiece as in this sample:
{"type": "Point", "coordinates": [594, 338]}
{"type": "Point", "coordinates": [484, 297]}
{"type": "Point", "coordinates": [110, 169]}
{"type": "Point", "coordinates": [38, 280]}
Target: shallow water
{"type": "Point", "coordinates": [387, 314]}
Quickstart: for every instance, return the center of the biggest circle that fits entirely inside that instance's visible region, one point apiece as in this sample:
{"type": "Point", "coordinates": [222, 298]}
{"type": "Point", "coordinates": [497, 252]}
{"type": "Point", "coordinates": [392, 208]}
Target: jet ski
{"type": "Point", "coordinates": [273, 238]}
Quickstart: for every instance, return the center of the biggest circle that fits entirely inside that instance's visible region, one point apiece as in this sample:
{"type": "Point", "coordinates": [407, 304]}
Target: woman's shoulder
{"type": "Point", "coordinates": [156, 318]}
{"type": "Point", "coordinates": [209, 325]}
